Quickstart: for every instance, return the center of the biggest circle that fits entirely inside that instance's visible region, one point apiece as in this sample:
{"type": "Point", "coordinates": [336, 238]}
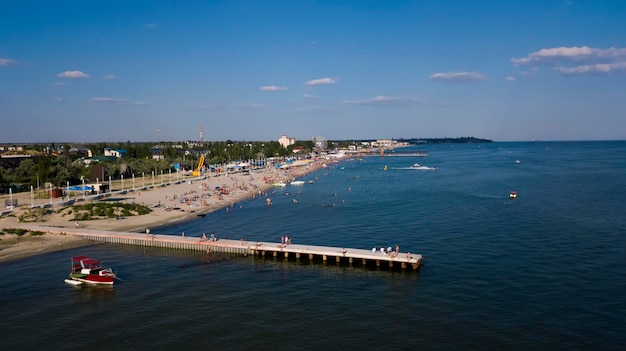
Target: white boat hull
{"type": "Point", "coordinates": [92, 282]}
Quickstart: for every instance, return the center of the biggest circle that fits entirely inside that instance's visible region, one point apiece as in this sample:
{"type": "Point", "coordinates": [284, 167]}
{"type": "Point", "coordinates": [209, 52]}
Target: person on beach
{"type": "Point", "coordinates": [183, 234]}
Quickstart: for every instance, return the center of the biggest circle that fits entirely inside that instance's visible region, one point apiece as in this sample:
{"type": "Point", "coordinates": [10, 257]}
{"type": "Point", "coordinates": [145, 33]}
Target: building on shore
{"type": "Point", "coordinates": [285, 141]}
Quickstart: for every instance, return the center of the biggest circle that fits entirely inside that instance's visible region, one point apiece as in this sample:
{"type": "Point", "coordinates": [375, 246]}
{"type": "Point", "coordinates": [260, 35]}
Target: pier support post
{"type": "Point", "coordinates": [324, 258]}
{"type": "Point", "coordinates": [338, 259]}
{"type": "Point", "coordinates": [377, 263]}
{"type": "Point", "coordinates": [297, 255]}
{"type": "Point", "coordinates": [286, 254]}
{"type": "Point", "coordinates": [311, 257]}
{"type": "Point", "coordinates": [275, 253]}
{"type": "Point", "coordinates": [403, 265]}
{"type": "Point", "coordinates": [363, 261]}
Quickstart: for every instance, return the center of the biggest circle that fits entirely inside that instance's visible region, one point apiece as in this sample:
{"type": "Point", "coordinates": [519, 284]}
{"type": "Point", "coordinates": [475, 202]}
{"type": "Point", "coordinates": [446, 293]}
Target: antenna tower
{"type": "Point", "coordinates": [201, 134]}
{"type": "Point", "coordinates": [159, 140]}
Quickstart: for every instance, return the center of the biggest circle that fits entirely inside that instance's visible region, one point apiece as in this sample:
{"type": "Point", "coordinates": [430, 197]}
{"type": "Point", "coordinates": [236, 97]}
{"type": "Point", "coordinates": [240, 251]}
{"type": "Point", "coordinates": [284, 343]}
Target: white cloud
{"type": "Point", "coordinates": [308, 96]}
{"type": "Point", "coordinates": [139, 103]}
{"type": "Point", "coordinates": [383, 100]}
{"type": "Point", "coordinates": [59, 99]}
{"type": "Point", "coordinates": [460, 76]}
{"type": "Point", "coordinates": [272, 88]}
{"type": "Point", "coordinates": [6, 61]}
{"type": "Point", "coordinates": [73, 74]}
{"type": "Point", "coordinates": [107, 100]}
{"type": "Point", "coordinates": [321, 81]}
{"type": "Point", "coordinates": [151, 25]}
{"type": "Point", "coordinates": [595, 68]}
{"type": "Point", "coordinates": [543, 55]}
{"type": "Point", "coordinates": [577, 60]}
{"type": "Point", "coordinates": [509, 78]}
{"type": "Point", "coordinates": [110, 76]}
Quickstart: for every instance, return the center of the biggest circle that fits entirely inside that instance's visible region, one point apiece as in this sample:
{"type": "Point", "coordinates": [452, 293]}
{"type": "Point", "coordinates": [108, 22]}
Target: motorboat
{"type": "Point", "coordinates": [424, 168]}
{"type": "Point", "coordinates": [513, 194]}
{"type": "Point", "coordinates": [89, 271]}
{"type": "Point", "coordinates": [297, 182]}
{"type": "Point", "coordinates": [279, 184]}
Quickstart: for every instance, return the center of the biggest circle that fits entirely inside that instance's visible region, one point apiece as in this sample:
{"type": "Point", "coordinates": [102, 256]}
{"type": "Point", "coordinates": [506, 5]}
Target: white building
{"type": "Point", "coordinates": [285, 141]}
{"type": "Point", "coordinates": [116, 153]}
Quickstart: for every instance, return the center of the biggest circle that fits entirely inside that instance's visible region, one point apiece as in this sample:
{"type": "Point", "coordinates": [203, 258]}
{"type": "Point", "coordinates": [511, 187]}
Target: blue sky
{"type": "Point", "coordinates": [84, 71]}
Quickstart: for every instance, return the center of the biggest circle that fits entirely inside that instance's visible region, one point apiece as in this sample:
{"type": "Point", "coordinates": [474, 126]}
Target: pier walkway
{"type": "Point", "coordinates": [298, 251]}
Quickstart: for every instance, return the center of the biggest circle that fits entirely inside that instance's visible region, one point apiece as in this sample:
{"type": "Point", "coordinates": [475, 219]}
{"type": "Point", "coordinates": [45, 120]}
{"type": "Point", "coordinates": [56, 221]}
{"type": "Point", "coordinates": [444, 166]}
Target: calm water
{"type": "Point", "coordinates": [546, 270]}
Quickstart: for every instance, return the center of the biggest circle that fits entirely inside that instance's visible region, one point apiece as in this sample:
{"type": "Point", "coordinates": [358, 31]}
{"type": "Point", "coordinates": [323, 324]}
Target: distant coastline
{"type": "Point", "coordinates": [461, 140]}
{"type": "Point", "coordinates": [419, 141]}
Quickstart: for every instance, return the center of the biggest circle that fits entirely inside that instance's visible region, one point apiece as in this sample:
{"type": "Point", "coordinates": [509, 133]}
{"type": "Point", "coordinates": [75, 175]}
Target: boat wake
{"type": "Point", "coordinates": [419, 168]}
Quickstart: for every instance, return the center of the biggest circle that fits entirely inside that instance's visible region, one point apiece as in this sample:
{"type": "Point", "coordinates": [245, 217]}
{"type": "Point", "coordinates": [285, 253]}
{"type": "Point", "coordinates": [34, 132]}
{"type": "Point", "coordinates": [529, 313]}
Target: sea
{"type": "Point", "coordinates": [546, 270]}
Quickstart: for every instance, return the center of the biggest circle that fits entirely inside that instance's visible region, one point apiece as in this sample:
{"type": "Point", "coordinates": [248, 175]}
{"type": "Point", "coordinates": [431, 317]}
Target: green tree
{"type": "Point", "coordinates": [24, 172]}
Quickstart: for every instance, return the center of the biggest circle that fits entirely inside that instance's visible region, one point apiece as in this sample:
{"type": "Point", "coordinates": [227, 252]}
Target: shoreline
{"type": "Point", "coordinates": [170, 204]}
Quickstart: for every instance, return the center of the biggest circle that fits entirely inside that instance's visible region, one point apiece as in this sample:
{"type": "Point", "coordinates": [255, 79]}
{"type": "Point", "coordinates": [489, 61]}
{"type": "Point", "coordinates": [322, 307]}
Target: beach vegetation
{"type": "Point", "coordinates": [101, 210]}
{"type": "Point", "coordinates": [16, 231]}
{"type": "Point", "coordinates": [36, 214]}
{"type": "Point", "coordinates": [20, 232]}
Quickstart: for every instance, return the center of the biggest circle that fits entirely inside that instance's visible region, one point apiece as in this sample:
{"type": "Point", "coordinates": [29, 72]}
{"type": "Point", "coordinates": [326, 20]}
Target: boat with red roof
{"type": "Point", "coordinates": [89, 271]}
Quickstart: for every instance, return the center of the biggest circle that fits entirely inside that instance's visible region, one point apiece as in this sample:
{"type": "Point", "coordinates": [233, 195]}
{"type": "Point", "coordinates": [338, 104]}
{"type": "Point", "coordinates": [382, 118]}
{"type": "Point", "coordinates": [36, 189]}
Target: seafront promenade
{"type": "Point", "coordinates": [324, 254]}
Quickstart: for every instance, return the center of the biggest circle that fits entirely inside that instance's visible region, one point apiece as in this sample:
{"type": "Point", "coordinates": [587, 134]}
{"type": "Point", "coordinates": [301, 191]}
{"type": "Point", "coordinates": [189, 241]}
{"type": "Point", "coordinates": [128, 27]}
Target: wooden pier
{"type": "Point", "coordinates": [311, 253]}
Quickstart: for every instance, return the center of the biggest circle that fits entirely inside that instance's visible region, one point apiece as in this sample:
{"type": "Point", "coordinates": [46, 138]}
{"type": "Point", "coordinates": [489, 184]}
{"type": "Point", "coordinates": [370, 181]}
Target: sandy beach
{"type": "Point", "coordinates": [169, 203]}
